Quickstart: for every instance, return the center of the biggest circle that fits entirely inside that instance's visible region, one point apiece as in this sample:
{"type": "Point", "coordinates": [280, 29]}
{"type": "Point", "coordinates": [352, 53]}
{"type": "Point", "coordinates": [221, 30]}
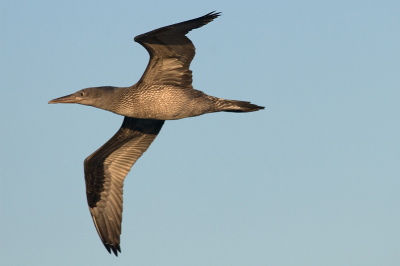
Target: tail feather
{"type": "Point", "coordinates": [237, 106]}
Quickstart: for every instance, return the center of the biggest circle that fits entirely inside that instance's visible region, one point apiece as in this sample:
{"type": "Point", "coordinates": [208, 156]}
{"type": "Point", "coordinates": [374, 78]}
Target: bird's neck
{"type": "Point", "coordinates": [112, 99]}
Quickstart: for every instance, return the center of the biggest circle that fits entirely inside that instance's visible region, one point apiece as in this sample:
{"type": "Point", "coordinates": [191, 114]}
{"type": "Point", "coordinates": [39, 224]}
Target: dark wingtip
{"type": "Point", "coordinates": [182, 27]}
{"type": "Point", "coordinates": [213, 14]}
{"type": "Point", "coordinates": [107, 247]}
{"type": "Point", "coordinates": [210, 16]}
{"type": "Point", "coordinates": [115, 251]}
{"type": "Point", "coordinates": [114, 248]}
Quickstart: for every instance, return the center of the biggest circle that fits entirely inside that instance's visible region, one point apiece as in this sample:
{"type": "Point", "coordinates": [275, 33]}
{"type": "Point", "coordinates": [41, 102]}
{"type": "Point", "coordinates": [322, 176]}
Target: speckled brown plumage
{"type": "Point", "coordinates": [164, 92]}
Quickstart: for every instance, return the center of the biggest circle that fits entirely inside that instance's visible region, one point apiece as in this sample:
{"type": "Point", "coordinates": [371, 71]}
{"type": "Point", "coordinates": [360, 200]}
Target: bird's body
{"type": "Point", "coordinates": [161, 102]}
{"type": "Point", "coordinates": [164, 92]}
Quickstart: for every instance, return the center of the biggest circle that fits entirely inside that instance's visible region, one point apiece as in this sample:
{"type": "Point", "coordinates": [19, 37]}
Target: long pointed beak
{"type": "Point", "coordinates": [66, 99]}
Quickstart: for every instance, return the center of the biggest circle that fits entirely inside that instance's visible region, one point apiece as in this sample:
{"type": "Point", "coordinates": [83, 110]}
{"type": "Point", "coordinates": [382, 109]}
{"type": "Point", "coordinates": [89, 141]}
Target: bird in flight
{"type": "Point", "coordinates": [164, 92]}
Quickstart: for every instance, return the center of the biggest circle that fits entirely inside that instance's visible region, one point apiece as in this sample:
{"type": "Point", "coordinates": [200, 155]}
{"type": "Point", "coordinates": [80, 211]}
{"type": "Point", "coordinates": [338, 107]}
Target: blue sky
{"type": "Point", "coordinates": [311, 180]}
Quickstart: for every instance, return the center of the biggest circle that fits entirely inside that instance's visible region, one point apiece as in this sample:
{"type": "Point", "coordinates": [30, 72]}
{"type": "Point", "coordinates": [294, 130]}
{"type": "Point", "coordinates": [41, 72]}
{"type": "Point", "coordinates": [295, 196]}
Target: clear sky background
{"type": "Point", "coordinates": [313, 179]}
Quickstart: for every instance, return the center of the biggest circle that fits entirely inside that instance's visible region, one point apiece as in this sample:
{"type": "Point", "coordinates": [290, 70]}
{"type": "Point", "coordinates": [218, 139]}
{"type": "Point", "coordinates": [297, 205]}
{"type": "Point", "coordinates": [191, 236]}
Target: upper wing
{"type": "Point", "coordinates": [171, 52]}
{"type": "Point", "coordinates": [105, 171]}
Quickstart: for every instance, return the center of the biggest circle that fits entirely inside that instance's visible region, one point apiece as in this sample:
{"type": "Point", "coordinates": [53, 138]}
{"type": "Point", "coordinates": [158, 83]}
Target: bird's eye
{"type": "Point", "coordinates": [82, 93]}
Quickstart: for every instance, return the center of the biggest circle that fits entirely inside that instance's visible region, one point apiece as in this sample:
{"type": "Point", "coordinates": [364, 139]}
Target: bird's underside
{"type": "Point", "coordinates": [164, 92]}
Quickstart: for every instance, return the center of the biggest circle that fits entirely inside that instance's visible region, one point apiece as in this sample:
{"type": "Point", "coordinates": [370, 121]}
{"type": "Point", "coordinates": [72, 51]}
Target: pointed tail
{"type": "Point", "coordinates": [237, 106]}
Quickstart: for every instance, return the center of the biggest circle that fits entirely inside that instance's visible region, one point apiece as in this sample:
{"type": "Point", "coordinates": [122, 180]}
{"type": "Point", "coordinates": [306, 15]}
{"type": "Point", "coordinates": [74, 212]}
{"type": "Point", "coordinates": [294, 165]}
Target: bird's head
{"type": "Point", "coordinates": [88, 96]}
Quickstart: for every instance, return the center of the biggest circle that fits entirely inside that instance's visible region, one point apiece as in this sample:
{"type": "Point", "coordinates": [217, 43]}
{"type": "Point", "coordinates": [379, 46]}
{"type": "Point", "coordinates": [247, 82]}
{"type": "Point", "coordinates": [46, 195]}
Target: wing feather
{"type": "Point", "coordinates": [171, 52]}
{"type": "Point", "coordinates": [105, 171]}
